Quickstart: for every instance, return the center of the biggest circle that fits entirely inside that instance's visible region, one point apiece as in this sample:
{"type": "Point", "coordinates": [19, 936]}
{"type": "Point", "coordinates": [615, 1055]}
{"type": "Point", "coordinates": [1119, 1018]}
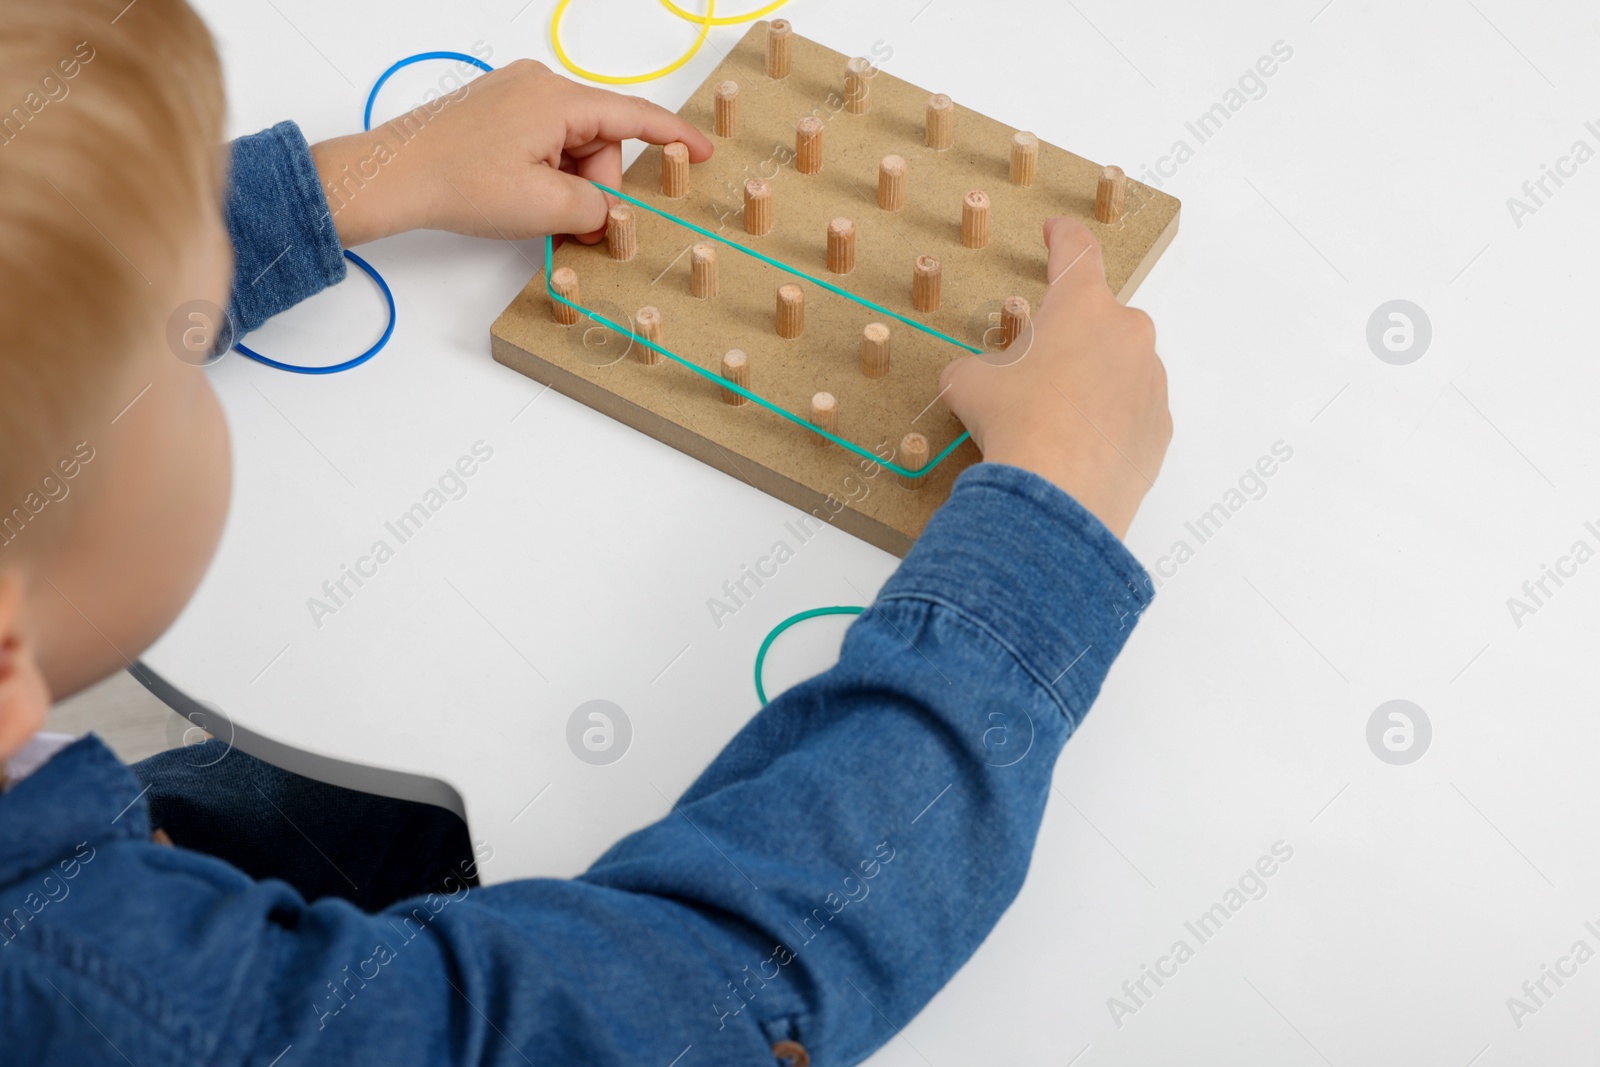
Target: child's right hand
{"type": "Point", "coordinates": [1082, 396]}
{"type": "Point", "coordinates": [511, 155]}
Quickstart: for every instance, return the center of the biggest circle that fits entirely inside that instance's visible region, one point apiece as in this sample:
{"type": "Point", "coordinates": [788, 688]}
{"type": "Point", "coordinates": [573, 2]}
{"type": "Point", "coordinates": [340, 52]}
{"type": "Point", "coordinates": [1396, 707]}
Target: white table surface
{"type": "Point", "coordinates": [1377, 566]}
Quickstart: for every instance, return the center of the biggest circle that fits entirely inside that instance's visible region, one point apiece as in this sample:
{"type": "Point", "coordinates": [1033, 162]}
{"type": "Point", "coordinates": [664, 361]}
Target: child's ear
{"type": "Point", "coordinates": [24, 695]}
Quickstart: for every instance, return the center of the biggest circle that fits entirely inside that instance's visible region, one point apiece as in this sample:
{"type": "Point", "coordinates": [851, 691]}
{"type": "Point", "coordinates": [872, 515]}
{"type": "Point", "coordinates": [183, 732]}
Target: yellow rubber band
{"type": "Point", "coordinates": [728, 20]}
{"type": "Point", "coordinates": [706, 22]}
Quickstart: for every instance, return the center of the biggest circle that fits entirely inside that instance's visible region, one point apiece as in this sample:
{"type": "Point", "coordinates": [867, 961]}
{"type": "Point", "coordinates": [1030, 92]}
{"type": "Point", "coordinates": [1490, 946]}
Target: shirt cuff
{"type": "Point", "coordinates": [285, 245]}
{"type": "Point", "coordinates": [1030, 565]}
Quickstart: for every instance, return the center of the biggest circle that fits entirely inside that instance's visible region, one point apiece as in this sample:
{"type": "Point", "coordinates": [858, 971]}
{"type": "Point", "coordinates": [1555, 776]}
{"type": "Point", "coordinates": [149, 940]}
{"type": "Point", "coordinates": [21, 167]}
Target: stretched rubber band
{"type": "Point", "coordinates": [347, 364]}
{"type": "Point", "coordinates": [769, 261]}
{"type": "Point", "coordinates": [706, 22]}
{"type": "Point", "coordinates": [761, 654]}
{"type": "Point", "coordinates": [549, 257]}
{"type": "Point", "coordinates": [366, 116]}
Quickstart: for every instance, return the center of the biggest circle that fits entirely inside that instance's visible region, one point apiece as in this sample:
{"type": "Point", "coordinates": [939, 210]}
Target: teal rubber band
{"type": "Point", "coordinates": [549, 258]}
{"type": "Point", "coordinates": [761, 654]}
{"type": "Point", "coordinates": [863, 301]}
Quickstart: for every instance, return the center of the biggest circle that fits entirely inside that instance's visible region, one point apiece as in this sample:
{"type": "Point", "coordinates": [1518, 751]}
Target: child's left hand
{"type": "Point", "coordinates": [510, 155]}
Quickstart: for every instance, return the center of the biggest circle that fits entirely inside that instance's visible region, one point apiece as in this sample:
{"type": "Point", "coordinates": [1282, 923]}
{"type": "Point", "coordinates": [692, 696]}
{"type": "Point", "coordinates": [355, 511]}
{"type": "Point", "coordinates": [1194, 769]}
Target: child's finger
{"type": "Point", "coordinates": [1075, 263]}
{"type": "Point", "coordinates": [950, 379]}
{"type": "Point", "coordinates": [608, 116]}
{"type": "Point", "coordinates": [569, 204]}
{"type": "Point", "coordinates": [600, 162]}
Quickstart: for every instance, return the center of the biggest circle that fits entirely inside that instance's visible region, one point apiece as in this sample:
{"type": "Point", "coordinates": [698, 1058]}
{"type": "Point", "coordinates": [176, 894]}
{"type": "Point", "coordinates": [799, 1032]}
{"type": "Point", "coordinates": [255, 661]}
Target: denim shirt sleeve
{"type": "Point", "coordinates": [284, 242]}
{"type": "Point", "coordinates": [827, 874]}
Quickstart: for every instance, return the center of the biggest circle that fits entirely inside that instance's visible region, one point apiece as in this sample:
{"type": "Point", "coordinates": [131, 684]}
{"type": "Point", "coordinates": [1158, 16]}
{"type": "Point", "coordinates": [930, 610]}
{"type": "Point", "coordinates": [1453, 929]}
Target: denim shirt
{"type": "Point", "coordinates": [828, 872]}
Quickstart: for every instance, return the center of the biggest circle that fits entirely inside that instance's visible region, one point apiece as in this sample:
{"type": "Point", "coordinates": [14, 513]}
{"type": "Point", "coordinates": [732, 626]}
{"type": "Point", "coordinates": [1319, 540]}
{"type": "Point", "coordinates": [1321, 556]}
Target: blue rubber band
{"type": "Point", "coordinates": [388, 332]}
{"type": "Point", "coordinates": [388, 295]}
{"type": "Point", "coordinates": [761, 654]}
{"type": "Point", "coordinates": [366, 116]}
{"type": "Point", "coordinates": [549, 258]}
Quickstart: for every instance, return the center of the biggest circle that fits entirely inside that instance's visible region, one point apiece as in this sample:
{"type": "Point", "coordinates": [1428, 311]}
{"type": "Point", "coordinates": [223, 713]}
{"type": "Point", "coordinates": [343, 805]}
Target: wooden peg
{"type": "Point", "coordinates": [564, 280]}
{"type": "Point", "coordinates": [808, 145]}
{"type": "Point", "coordinates": [913, 457]}
{"type": "Point", "coordinates": [1108, 195]}
{"type": "Point", "coordinates": [726, 122]}
{"type": "Point", "coordinates": [757, 207]}
{"type": "Point", "coordinates": [975, 219]}
{"type": "Point", "coordinates": [858, 85]}
{"type": "Point", "coordinates": [622, 235]}
{"type": "Point", "coordinates": [703, 271]}
{"type": "Point", "coordinates": [941, 132]}
{"type": "Point", "coordinates": [1015, 314]}
{"type": "Point", "coordinates": [1024, 158]}
{"type": "Point", "coordinates": [875, 350]}
{"type": "Point", "coordinates": [791, 311]}
{"type": "Point", "coordinates": [841, 246]}
{"type": "Point", "coordinates": [778, 35]}
{"type": "Point", "coordinates": [824, 416]}
{"type": "Point", "coordinates": [675, 171]}
{"type": "Point", "coordinates": [736, 369]}
{"type": "Point", "coordinates": [647, 324]}
{"type": "Point", "coordinates": [925, 284]}
{"type": "Point", "coordinates": [892, 183]}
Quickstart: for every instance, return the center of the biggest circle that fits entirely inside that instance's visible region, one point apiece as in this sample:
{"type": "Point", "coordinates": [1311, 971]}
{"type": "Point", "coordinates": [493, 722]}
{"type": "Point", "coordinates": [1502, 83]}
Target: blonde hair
{"type": "Point", "coordinates": [110, 122]}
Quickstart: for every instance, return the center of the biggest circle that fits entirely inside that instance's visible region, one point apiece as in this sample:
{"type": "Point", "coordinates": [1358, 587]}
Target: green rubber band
{"type": "Point", "coordinates": [549, 258]}
{"type": "Point", "coordinates": [761, 654]}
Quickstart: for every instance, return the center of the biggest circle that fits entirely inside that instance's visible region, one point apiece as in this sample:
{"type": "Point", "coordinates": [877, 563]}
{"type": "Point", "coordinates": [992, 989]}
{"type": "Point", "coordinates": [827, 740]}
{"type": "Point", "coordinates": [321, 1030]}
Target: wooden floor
{"type": "Point", "coordinates": [124, 714]}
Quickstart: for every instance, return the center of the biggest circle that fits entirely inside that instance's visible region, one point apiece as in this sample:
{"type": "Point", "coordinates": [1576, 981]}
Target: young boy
{"type": "Point", "coordinates": [824, 877]}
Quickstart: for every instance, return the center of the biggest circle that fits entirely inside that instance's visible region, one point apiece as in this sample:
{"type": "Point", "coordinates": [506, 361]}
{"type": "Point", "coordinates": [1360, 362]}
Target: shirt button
{"type": "Point", "coordinates": [791, 1054]}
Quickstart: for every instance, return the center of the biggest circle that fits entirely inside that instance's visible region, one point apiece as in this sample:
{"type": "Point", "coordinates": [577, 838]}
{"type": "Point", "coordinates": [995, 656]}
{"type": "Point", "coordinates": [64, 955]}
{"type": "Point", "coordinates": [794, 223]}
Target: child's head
{"type": "Point", "coordinates": [114, 462]}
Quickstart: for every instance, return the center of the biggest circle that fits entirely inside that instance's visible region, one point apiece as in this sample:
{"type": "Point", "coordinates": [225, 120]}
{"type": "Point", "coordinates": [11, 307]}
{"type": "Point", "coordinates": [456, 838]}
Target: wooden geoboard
{"type": "Point", "coordinates": [600, 367]}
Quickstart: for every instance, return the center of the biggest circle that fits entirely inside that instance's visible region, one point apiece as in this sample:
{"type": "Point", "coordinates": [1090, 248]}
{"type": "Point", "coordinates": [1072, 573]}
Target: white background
{"type": "Point", "coordinates": [1376, 166]}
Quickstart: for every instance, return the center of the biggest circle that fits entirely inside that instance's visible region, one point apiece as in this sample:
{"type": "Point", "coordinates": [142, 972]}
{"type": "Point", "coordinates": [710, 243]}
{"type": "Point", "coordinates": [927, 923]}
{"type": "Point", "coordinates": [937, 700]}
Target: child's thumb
{"type": "Point", "coordinates": [568, 203]}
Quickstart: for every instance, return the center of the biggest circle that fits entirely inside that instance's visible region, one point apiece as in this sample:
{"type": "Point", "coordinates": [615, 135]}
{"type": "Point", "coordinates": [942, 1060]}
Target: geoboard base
{"type": "Point", "coordinates": [683, 409]}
